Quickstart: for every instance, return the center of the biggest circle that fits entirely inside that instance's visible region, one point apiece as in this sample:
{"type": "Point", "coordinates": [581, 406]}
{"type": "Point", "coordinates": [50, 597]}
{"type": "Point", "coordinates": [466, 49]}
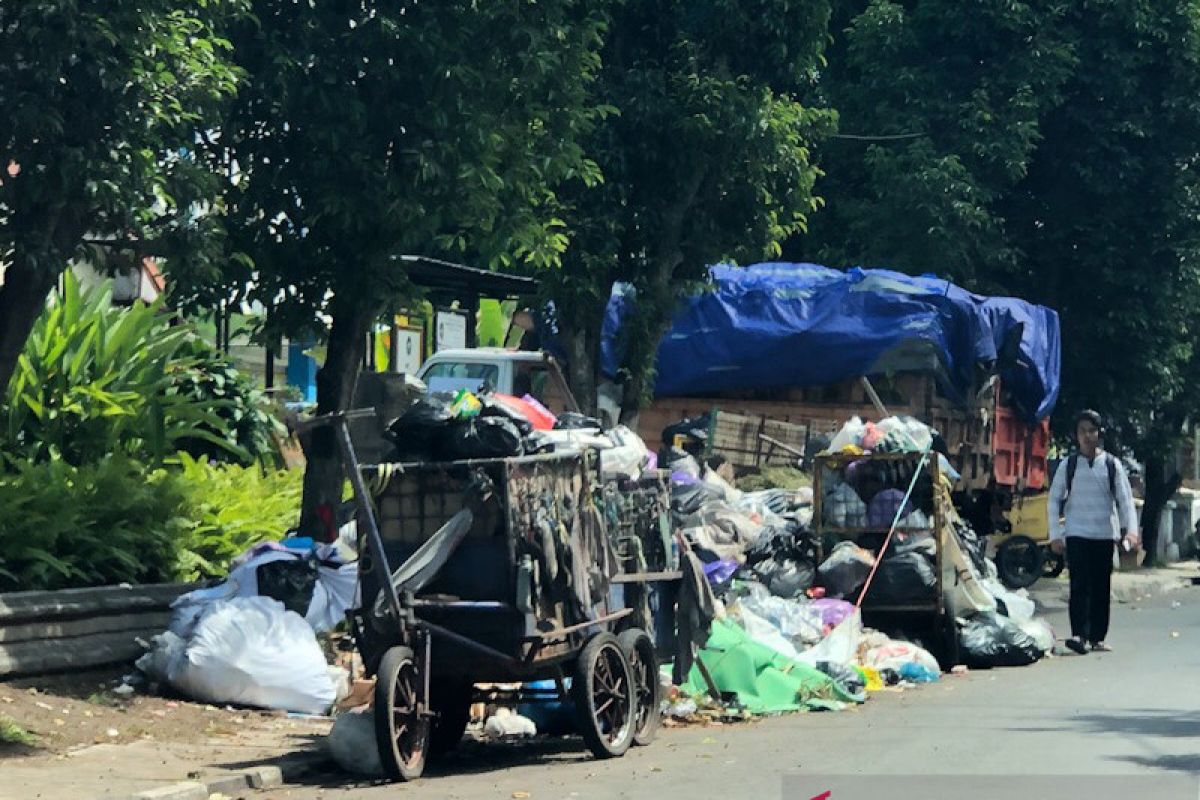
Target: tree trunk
{"type": "Point", "coordinates": [581, 365]}
{"type": "Point", "coordinates": [325, 475]}
{"type": "Point", "coordinates": [22, 300]}
{"type": "Point", "coordinates": [1160, 488]}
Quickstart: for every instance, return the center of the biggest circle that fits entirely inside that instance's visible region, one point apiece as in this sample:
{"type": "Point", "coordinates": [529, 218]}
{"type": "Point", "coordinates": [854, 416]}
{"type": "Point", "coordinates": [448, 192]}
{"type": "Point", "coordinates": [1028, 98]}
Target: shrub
{"type": "Point", "coordinates": [95, 380]}
{"type": "Point", "coordinates": [111, 522]}
{"type": "Point", "coordinates": [229, 509]}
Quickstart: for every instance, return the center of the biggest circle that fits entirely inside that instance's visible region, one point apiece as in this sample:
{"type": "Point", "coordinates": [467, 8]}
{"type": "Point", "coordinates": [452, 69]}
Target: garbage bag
{"type": "Point", "coordinates": [626, 458]}
{"type": "Point", "coordinates": [906, 577]}
{"type": "Point", "coordinates": [687, 499]}
{"type": "Point", "coordinates": [993, 640]}
{"type": "Point", "coordinates": [291, 582]}
{"type": "Point", "coordinates": [417, 433]}
{"type": "Point", "coordinates": [252, 651]}
{"type": "Point", "coordinates": [881, 511]}
{"type": "Point", "coordinates": [352, 745]}
{"type": "Point", "coordinates": [679, 463]}
{"type": "Point", "coordinates": [694, 431]}
{"type": "Point", "coordinates": [884, 653]}
{"type": "Point", "coordinates": [851, 435]}
{"type": "Point", "coordinates": [785, 577]}
{"type": "Point", "coordinates": [506, 407]}
{"type": "Point", "coordinates": [1040, 631]}
{"type": "Point", "coordinates": [844, 571]}
{"type": "Point", "coordinates": [833, 612]}
{"type": "Point", "coordinates": [482, 437]}
{"type": "Point", "coordinates": [1015, 605]}
{"type": "Point", "coordinates": [570, 420]}
{"type": "Point", "coordinates": [845, 675]}
{"type": "Point", "coordinates": [795, 619]}
{"type": "Point", "coordinates": [841, 507]}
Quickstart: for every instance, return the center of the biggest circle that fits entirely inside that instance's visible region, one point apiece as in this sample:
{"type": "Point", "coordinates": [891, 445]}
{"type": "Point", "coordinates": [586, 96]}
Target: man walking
{"type": "Point", "coordinates": [1091, 508]}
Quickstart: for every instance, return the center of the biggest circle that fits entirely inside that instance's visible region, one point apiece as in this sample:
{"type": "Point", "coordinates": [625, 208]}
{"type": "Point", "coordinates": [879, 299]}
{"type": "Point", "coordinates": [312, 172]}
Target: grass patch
{"type": "Point", "coordinates": [12, 733]}
{"type": "Point", "coordinates": [788, 478]}
{"type": "Point", "coordinates": [103, 699]}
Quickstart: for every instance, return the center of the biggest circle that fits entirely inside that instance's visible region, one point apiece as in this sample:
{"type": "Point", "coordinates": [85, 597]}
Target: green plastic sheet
{"type": "Point", "coordinates": [764, 680]}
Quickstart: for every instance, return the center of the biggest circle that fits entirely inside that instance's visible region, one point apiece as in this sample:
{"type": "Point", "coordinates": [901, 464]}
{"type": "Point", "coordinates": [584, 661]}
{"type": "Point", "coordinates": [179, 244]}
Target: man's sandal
{"type": "Point", "coordinates": [1076, 646]}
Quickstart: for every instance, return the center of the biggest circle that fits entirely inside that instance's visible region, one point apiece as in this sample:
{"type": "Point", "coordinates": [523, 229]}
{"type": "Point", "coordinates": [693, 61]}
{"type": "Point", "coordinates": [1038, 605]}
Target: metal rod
{"type": "Point", "coordinates": [454, 605]}
{"type": "Point", "coordinates": [366, 511]}
{"type": "Point", "coordinates": [470, 644]}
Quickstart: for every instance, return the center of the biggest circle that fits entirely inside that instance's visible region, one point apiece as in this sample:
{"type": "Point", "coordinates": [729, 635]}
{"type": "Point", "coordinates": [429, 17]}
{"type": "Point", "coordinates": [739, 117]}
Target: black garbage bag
{"type": "Point", "coordinates": [908, 576]}
{"type": "Point", "coordinates": [694, 431]}
{"type": "Point", "coordinates": [846, 676]}
{"type": "Point", "coordinates": [291, 582]}
{"type": "Point", "coordinates": [572, 421]}
{"type": "Point", "coordinates": [418, 432]}
{"type": "Point", "coordinates": [990, 640]}
{"type": "Point", "coordinates": [537, 443]}
{"type": "Point", "coordinates": [491, 407]}
{"type": "Point", "coordinates": [973, 545]}
{"type": "Point", "coordinates": [785, 577]}
{"type": "Point", "coordinates": [687, 499]}
{"type": "Point", "coordinates": [482, 437]}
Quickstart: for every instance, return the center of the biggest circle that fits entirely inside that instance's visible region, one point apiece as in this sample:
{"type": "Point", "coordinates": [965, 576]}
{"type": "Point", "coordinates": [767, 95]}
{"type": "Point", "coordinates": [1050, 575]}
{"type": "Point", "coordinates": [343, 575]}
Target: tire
{"type": "Point", "coordinates": [1019, 562]}
{"type": "Point", "coordinates": [451, 699]}
{"type": "Point", "coordinates": [604, 697]}
{"type": "Point", "coordinates": [1054, 564]}
{"type": "Point", "coordinates": [643, 661]}
{"type": "Point", "coordinates": [401, 734]}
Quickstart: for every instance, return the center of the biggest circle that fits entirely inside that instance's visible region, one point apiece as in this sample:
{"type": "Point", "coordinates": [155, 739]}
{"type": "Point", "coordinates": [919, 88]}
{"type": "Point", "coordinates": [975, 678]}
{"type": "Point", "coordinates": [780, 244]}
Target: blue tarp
{"type": "Point", "coordinates": [782, 325]}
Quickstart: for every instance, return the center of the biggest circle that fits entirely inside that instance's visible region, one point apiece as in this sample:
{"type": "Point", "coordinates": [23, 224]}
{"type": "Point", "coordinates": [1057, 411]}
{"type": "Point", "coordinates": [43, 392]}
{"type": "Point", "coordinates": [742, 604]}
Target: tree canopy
{"type": "Point", "coordinates": [100, 105]}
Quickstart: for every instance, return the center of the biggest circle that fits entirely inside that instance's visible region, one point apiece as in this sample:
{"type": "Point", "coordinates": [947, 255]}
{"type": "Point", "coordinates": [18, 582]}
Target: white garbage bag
{"type": "Point", "coordinates": [252, 651]}
{"type": "Point", "coordinates": [352, 744]}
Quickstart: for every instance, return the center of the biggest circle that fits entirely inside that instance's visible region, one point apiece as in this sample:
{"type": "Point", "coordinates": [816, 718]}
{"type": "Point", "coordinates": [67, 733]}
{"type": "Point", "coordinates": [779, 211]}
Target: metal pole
{"type": "Point", "coordinates": [366, 511]}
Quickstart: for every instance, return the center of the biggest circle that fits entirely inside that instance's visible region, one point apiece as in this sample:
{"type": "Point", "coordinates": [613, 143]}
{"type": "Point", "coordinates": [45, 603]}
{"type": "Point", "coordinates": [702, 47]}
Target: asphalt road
{"type": "Point", "coordinates": [1131, 716]}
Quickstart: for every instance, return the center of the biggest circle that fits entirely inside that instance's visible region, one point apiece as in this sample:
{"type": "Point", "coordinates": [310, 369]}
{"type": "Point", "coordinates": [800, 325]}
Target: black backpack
{"type": "Point", "coordinates": [1073, 464]}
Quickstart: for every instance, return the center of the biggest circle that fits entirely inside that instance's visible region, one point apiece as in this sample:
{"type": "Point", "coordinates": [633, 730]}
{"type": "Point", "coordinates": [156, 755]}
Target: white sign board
{"type": "Point", "coordinates": [451, 331]}
{"type": "Point", "coordinates": [407, 351]}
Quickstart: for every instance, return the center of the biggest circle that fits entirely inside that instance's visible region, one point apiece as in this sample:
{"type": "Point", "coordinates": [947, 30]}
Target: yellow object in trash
{"type": "Point", "coordinates": [466, 405]}
{"type": "Point", "coordinates": [871, 677]}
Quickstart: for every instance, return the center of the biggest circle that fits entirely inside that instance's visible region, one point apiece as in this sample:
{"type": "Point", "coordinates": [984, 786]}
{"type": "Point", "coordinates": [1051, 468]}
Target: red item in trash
{"type": "Point", "coordinates": [539, 418]}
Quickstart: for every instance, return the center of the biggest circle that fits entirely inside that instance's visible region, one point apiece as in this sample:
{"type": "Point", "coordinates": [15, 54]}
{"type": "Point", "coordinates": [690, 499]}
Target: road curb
{"type": "Point", "coordinates": [264, 776]}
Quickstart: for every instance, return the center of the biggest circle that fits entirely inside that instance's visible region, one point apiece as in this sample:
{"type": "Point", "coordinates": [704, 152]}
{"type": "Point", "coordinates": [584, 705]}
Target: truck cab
{"type": "Point", "coordinates": [512, 372]}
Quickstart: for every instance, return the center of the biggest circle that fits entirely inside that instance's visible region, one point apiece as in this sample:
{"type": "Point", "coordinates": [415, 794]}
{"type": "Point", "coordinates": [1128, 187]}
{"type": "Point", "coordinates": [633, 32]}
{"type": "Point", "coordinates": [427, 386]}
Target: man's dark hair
{"type": "Point", "coordinates": [1088, 415]}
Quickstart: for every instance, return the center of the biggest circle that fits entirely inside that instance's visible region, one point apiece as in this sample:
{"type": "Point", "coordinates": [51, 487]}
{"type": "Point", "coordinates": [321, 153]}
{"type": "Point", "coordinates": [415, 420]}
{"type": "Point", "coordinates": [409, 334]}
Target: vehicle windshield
{"type": "Point", "coordinates": [452, 376]}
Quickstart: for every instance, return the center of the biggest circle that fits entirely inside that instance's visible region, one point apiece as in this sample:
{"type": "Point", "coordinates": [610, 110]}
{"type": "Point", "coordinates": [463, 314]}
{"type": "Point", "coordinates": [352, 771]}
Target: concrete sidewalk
{"type": "Point", "coordinates": [227, 765]}
{"type": "Point", "coordinates": [1128, 586]}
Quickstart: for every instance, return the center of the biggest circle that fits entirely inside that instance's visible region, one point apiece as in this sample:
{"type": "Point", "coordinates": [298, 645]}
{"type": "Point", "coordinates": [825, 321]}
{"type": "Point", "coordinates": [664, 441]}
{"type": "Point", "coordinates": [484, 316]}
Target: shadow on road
{"type": "Point", "coordinates": [1189, 764]}
{"type": "Point", "coordinates": [470, 758]}
{"type": "Point", "coordinates": [1143, 722]}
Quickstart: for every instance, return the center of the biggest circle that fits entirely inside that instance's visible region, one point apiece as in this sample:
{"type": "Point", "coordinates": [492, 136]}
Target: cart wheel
{"type": "Point", "coordinates": [400, 731]}
{"type": "Point", "coordinates": [604, 697]}
{"type": "Point", "coordinates": [1019, 562]}
{"type": "Point", "coordinates": [643, 662]}
{"type": "Point", "coordinates": [1054, 564]}
{"type": "Point", "coordinates": [451, 699]}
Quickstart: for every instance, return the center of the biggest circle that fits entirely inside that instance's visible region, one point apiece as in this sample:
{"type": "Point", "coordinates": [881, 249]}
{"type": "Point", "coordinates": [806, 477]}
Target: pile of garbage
{"type": "Point", "coordinates": [251, 640]}
{"type": "Point", "coordinates": [786, 631]}
{"type": "Point", "coordinates": [468, 425]}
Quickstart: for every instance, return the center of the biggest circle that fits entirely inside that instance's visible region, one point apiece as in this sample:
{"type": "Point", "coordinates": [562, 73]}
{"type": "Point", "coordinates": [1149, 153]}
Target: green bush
{"type": "Point", "coordinates": [118, 522]}
{"type": "Point", "coordinates": [94, 380]}
{"type": "Point", "coordinates": [111, 522]}
{"type": "Point", "coordinates": [247, 418]}
{"type": "Point", "coordinates": [229, 509]}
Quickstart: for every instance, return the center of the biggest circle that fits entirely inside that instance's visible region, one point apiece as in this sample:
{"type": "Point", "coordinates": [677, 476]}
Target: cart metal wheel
{"type": "Point", "coordinates": [1053, 565]}
{"type": "Point", "coordinates": [1019, 562]}
{"type": "Point", "coordinates": [451, 699]}
{"type": "Point", "coordinates": [643, 661]}
{"type": "Point", "coordinates": [401, 732]}
{"type": "Point", "coordinates": [604, 696]}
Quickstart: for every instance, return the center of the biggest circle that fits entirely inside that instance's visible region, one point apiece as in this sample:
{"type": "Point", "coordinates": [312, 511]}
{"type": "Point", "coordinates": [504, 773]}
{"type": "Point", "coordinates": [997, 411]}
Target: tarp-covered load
{"type": "Point", "coordinates": [780, 325]}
